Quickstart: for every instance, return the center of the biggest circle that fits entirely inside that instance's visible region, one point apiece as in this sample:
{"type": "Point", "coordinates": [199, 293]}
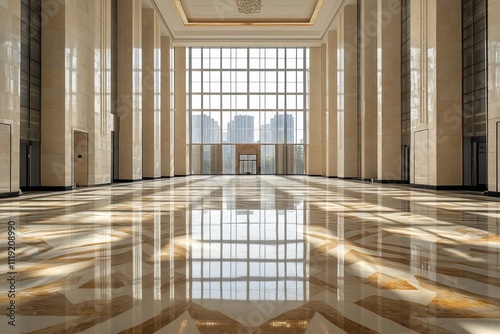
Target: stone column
{"type": "Point", "coordinates": [315, 145]}
{"type": "Point", "coordinates": [368, 89]}
{"type": "Point", "coordinates": [76, 102]}
{"type": "Point", "coordinates": [99, 119]}
{"type": "Point", "coordinates": [389, 90]}
{"type": "Point", "coordinates": [58, 62]}
{"type": "Point", "coordinates": [331, 102]}
{"type": "Point", "coordinates": [167, 109]}
{"type": "Point", "coordinates": [182, 133]}
{"type": "Point", "coordinates": [129, 88]}
{"type": "Point", "coordinates": [347, 71]}
{"type": "Point", "coordinates": [10, 111]}
{"type": "Point", "coordinates": [324, 78]}
{"type": "Point", "coordinates": [151, 94]}
{"type": "Point", "coordinates": [436, 42]}
{"type": "Point", "coordinates": [493, 97]}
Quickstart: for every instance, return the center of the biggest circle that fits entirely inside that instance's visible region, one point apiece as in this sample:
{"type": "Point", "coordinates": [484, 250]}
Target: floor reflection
{"type": "Point", "coordinates": [249, 250]}
{"type": "Point", "coordinates": [254, 254]}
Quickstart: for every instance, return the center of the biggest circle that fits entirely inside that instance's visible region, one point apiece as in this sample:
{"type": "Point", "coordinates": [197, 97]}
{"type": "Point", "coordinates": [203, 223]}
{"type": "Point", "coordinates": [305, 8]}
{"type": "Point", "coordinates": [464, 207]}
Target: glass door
{"type": "Point", "coordinates": [248, 164]}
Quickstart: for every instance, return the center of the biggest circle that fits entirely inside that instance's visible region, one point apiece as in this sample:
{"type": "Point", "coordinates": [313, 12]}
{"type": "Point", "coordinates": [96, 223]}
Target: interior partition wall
{"type": "Point", "coordinates": [242, 98]}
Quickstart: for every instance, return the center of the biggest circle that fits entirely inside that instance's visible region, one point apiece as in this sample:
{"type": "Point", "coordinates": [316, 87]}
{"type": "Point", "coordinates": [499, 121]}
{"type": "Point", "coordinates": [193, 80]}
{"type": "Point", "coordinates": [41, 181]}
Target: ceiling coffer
{"type": "Point", "coordinates": [249, 6]}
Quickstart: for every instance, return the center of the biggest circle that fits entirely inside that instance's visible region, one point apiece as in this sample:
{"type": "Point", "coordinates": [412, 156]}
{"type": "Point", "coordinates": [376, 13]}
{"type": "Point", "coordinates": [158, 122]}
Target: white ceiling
{"type": "Point", "coordinates": [218, 22]}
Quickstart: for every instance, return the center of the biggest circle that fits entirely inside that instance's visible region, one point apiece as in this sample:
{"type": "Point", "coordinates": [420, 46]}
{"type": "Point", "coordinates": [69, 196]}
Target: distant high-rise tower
{"type": "Point", "coordinates": [205, 129]}
{"type": "Point", "coordinates": [241, 129]}
{"type": "Point", "coordinates": [284, 125]}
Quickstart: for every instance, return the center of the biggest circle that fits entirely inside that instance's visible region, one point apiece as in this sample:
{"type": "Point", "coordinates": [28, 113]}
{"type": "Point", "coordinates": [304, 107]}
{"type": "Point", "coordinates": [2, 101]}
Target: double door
{"type": "Point", "coordinates": [247, 164]}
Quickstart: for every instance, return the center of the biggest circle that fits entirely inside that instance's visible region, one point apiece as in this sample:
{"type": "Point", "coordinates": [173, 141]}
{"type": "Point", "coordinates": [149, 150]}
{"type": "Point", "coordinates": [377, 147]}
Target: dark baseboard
{"type": "Point", "coordinates": [390, 181]}
{"type": "Point", "coordinates": [181, 175]}
{"type": "Point", "coordinates": [452, 188]}
{"type": "Point", "coordinates": [100, 185]}
{"type": "Point", "coordinates": [167, 177]}
{"type": "Point", "coordinates": [148, 178]}
{"type": "Point", "coordinates": [9, 194]}
{"type": "Point", "coordinates": [314, 175]}
{"type": "Point", "coordinates": [37, 188]}
{"type": "Point", "coordinates": [127, 181]}
{"type": "Point", "coordinates": [492, 193]}
{"type": "Point", "coordinates": [54, 188]}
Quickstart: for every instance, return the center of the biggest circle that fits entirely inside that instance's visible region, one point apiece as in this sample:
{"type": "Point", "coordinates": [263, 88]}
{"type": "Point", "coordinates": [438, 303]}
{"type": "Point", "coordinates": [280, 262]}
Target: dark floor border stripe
{"type": "Point", "coordinates": [445, 187]}
{"type": "Point", "coordinates": [55, 188]}
{"type": "Point", "coordinates": [127, 180]}
{"type": "Point", "coordinates": [9, 195]}
{"type": "Point", "coordinates": [391, 181]}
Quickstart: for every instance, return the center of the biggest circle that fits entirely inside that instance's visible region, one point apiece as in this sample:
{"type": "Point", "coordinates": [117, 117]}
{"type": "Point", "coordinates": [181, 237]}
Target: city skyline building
{"type": "Point", "coordinates": [205, 129]}
{"type": "Point", "coordinates": [241, 129]}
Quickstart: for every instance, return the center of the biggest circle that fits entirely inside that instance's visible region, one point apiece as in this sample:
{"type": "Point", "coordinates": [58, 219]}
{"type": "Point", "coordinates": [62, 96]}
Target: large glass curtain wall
{"type": "Point", "coordinates": [247, 98]}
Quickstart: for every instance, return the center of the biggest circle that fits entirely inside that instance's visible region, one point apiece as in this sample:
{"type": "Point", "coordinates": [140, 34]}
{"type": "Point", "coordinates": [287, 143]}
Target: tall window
{"type": "Point", "coordinates": [405, 89]}
{"type": "Point", "coordinates": [30, 94]}
{"type": "Point", "coordinates": [247, 96]}
{"type": "Point", "coordinates": [475, 78]}
{"type": "Point", "coordinates": [475, 91]}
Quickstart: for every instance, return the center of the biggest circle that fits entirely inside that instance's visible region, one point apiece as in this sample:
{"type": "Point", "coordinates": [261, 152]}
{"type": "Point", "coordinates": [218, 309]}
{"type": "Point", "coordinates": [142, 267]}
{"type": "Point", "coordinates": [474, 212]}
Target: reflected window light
{"type": "Point", "coordinates": [137, 255]}
{"type": "Point", "coordinates": [246, 254]}
{"type": "Point", "coordinates": [423, 257]}
{"type": "Point", "coordinates": [157, 255]}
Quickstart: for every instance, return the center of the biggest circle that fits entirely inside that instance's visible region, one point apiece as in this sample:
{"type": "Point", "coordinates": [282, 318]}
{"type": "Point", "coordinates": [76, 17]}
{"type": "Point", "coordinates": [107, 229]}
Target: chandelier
{"type": "Point", "coordinates": [249, 6]}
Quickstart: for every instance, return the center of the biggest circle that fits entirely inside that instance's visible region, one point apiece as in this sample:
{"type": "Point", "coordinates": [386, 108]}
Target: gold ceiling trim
{"type": "Point", "coordinates": [186, 22]}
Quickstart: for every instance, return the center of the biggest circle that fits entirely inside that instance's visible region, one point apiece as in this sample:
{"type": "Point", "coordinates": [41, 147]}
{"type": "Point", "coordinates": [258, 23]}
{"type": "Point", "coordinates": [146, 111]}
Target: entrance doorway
{"type": "Point", "coordinates": [248, 164]}
{"type": "Point", "coordinates": [115, 158]}
{"type": "Point", "coordinates": [248, 159]}
{"type": "Point", "coordinates": [475, 162]}
{"type": "Point", "coordinates": [80, 159]}
{"type": "Point", "coordinates": [405, 163]}
{"type": "Point", "coordinates": [29, 165]}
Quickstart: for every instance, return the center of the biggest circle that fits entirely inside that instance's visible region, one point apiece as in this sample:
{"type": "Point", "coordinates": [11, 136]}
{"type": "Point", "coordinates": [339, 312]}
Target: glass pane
{"type": "Point", "coordinates": [196, 127]}
{"type": "Point", "coordinates": [267, 159]}
{"type": "Point", "coordinates": [248, 99]}
{"type": "Point", "coordinates": [228, 159]}
{"type": "Point", "coordinates": [196, 159]}
{"type": "Point", "coordinates": [196, 101]}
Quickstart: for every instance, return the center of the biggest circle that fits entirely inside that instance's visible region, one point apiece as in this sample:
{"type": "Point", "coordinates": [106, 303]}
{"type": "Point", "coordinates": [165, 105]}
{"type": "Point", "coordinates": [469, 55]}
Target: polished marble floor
{"type": "Point", "coordinates": [252, 254]}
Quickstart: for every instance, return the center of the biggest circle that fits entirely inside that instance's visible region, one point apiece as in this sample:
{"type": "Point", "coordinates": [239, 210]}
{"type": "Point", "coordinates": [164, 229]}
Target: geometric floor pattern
{"type": "Point", "coordinates": [251, 254]}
